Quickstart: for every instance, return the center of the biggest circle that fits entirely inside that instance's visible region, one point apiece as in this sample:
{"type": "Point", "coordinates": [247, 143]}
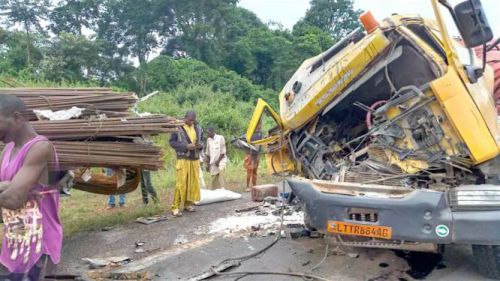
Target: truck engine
{"type": "Point", "coordinates": [387, 127]}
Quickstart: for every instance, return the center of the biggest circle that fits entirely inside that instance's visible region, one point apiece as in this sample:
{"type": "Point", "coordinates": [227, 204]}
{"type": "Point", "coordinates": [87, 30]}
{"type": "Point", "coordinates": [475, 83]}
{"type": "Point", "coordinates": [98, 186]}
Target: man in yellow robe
{"type": "Point", "coordinates": [188, 145]}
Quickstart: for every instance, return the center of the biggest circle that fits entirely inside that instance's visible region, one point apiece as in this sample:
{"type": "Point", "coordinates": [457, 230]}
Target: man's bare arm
{"type": "Point", "coordinates": [35, 163]}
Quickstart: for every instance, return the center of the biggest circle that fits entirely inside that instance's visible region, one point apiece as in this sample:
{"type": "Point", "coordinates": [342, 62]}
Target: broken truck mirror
{"type": "Point", "coordinates": [472, 23]}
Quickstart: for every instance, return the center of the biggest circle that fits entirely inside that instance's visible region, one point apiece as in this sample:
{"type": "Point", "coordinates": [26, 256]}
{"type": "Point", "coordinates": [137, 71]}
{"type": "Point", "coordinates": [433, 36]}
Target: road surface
{"type": "Point", "coordinates": [181, 247]}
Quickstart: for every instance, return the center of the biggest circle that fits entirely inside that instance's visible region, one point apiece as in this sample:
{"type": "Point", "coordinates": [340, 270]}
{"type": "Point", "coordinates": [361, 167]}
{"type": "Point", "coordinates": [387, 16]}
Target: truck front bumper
{"type": "Point", "coordinates": [416, 216]}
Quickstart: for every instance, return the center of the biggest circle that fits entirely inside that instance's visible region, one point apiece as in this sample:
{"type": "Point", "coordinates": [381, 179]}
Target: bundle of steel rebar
{"type": "Point", "coordinates": [74, 154]}
{"type": "Point", "coordinates": [96, 140]}
{"type": "Point", "coordinates": [78, 129]}
{"type": "Point", "coordinates": [95, 101]}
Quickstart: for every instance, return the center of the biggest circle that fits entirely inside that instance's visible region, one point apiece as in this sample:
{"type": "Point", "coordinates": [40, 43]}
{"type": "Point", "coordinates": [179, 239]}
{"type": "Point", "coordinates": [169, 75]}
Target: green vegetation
{"type": "Point", "coordinates": [215, 57]}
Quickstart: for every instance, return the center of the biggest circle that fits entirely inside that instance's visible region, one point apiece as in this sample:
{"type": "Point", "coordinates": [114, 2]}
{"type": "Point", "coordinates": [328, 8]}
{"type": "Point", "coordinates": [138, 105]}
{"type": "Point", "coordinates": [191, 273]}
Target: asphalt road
{"type": "Point", "coordinates": [200, 249]}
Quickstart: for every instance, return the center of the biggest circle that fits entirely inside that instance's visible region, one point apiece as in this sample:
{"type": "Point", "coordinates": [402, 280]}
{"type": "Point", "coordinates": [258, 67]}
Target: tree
{"type": "Point", "coordinates": [13, 46]}
{"type": "Point", "coordinates": [28, 13]}
{"type": "Point", "coordinates": [135, 27]}
{"type": "Point", "coordinates": [264, 56]}
{"type": "Point", "coordinates": [166, 73]}
{"type": "Point", "coordinates": [310, 40]}
{"type": "Point", "coordinates": [336, 17]}
{"type": "Point", "coordinates": [72, 16]}
{"type": "Point", "coordinates": [72, 58]}
{"type": "Point", "coordinates": [200, 26]}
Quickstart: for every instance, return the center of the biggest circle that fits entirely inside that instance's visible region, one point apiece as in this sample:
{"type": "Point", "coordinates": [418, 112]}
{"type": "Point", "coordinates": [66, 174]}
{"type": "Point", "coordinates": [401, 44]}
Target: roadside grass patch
{"type": "Point", "coordinates": [85, 211]}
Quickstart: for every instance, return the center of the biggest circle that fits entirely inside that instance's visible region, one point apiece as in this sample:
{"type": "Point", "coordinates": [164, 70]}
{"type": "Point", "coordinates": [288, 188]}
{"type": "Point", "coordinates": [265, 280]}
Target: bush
{"type": "Point", "coordinates": [167, 74]}
{"type": "Point", "coordinates": [213, 108]}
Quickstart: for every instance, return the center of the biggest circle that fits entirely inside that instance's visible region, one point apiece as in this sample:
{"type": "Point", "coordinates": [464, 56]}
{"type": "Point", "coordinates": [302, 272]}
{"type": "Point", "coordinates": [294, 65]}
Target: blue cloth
{"type": "Point", "coordinates": [109, 172]}
{"type": "Point", "coordinates": [111, 200]}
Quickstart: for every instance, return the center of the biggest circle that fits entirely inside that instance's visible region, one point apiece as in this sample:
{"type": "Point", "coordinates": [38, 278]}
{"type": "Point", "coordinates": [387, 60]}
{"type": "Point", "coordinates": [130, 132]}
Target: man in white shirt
{"type": "Point", "coordinates": [216, 159]}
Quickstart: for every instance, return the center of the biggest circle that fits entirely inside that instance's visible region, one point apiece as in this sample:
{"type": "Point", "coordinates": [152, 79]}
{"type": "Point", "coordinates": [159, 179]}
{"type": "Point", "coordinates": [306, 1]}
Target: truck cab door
{"type": "Point", "coordinates": [278, 158]}
{"type": "Point", "coordinates": [257, 119]}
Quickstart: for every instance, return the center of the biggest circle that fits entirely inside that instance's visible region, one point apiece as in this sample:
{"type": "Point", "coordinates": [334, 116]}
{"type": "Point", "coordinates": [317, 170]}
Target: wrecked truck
{"type": "Point", "coordinates": [393, 135]}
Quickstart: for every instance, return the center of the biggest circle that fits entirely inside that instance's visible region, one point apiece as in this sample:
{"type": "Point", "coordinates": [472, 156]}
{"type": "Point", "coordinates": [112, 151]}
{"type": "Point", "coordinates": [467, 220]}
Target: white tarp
{"type": "Point", "coordinates": [60, 115]}
{"type": "Point", "coordinates": [217, 195]}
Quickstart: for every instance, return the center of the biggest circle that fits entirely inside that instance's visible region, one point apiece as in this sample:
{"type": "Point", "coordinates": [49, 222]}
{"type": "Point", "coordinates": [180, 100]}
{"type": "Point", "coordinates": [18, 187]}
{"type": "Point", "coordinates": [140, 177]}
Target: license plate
{"type": "Point", "coordinates": [375, 231]}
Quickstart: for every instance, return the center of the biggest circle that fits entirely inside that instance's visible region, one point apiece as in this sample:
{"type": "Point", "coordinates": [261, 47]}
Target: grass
{"type": "Point", "coordinates": [85, 211]}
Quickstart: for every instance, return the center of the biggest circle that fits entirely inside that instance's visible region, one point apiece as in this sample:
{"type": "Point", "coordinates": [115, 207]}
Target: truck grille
{"type": "Point", "coordinates": [381, 179]}
{"type": "Point", "coordinates": [363, 215]}
{"type": "Point", "coordinates": [485, 196]}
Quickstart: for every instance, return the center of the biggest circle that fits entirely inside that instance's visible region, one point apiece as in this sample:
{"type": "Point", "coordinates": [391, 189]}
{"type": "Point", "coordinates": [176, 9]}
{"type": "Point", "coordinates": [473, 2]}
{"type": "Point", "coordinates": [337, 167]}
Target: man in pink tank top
{"type": "Point", "coordinates": [29, 198]}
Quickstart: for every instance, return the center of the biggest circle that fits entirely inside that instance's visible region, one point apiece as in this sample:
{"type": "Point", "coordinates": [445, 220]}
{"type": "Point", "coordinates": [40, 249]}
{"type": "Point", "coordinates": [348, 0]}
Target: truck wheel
{"type": "Point", "coordinates": [487, 260]}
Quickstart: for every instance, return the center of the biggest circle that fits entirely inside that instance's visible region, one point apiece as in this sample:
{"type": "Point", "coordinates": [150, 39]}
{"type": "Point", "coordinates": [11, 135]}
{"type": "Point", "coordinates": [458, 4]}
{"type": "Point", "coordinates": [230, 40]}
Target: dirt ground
{"type": "Point", "coordinates": [199, 250]}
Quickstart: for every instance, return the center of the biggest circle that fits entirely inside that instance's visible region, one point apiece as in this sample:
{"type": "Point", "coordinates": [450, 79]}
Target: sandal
{"type": "Point", "coordinates": [176, 213]}
{"type": "Point", "coordinates": [190, 209]}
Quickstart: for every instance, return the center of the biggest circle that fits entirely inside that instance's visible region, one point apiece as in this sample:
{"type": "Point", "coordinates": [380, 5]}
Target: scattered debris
{"type": "Point", "coordinates": [151, 220]}
{"type": "Point", "coordinates": [337, 252]}
{"type": "Point", "coordinates": [261, 213]}
{"type": "Point", "coordinates": [316, 234]}
{"type": "Point", "coordinates": [306, 263]}
{"type": "Point", "coordinates": [266, 218]}
{"type": "Point", "coordinates": [213, 271]}
{"type": "Point", "coordinates": [102, 276]}
{"type": "Point", "coordinates": [107, 228]}
{"type": "Point", "coordinates": [138, 246]}
{"type": "Point", "coordinates": [249, 209]}
{"type": "Point", "coordinates": [181, 239]}
{"type": "Point", "coordinates": [296, 231]}
{"type": "Point", "coordinates": [353, 255]}
{"type": "Point", "coordinates": [96, 263]}
{"type": "Point", "coordinates": [271, 233]}
{"type": "Point", "coordinates": [272, 200]}
{"type": "Point", "coordinates": [255, 228]}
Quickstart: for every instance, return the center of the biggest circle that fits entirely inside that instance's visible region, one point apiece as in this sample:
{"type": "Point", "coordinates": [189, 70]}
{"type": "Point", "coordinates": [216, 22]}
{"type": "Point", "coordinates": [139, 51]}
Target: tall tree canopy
{"type": "Point", "coordinates": [72, 16]}
{"type": "Point", "coordinates": [336, 17]}
{"type": "Point", "coordinates": [199, 26]}
{"type": "Point", "coordinates": [111, 42]}
{"type": "Point", "coordinates": [29, 14]}
{"type": "Point", "coordinates": [137, 27]}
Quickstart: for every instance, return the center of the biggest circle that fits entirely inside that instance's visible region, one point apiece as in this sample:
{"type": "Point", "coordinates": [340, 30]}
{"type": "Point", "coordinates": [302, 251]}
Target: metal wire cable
{"type": "Point", "coordinates": [270, 245]}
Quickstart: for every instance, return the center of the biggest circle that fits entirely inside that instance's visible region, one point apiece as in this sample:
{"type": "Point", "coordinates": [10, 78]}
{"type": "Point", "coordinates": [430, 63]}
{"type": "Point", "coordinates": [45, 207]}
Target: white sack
{"type": "Point", "coordinates": [218, 195]}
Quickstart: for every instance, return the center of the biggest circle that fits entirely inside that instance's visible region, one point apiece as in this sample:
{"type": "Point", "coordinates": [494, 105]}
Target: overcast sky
{"type": "Point", "coordinates": [287, 12]}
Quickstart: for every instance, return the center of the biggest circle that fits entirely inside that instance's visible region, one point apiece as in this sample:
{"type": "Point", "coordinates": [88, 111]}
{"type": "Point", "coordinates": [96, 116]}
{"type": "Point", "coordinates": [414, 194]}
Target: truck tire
{"type": "Point", "coordinates": [487, 260]}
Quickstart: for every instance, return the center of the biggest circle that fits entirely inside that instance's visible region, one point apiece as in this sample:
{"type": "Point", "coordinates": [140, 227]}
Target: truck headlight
{"type": "Point", "coordinates": [484, 196]}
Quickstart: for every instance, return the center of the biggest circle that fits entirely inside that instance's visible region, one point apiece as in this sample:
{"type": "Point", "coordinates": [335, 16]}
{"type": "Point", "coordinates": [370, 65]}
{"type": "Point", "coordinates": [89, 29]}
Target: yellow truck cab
{"type": "Point", "coordinates": [393, 136]}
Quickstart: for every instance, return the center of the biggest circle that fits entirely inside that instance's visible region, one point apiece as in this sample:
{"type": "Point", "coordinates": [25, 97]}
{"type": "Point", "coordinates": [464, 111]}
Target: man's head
{"type": "Point", "coordinates": [190, 118]}
{"type": "Point", "coordinates": [12, 120]}
{"type": "Point", "coordinates": [210, 132]}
